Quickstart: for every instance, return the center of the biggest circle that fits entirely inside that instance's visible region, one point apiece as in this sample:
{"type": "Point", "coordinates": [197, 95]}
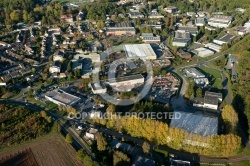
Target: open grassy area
{"type": "Point", "coordinates": [216, 77]}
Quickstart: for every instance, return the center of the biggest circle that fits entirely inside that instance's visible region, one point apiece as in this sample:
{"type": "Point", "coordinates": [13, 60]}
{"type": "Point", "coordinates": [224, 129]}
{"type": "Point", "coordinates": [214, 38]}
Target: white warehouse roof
{"type": "Point", "coordinates": [142, 51]}
{"type": "Point", "coordinates": [204, 52]}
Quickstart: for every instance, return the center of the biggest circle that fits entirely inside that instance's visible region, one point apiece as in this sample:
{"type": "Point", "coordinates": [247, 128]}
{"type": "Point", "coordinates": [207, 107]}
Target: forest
{"type": "Point", "coordinates": [19, 124]}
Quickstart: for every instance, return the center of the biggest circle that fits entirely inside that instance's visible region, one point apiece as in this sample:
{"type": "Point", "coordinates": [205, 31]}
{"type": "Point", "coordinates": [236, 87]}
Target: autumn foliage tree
{"type": "Point", "coordinates": [230, 118]}
{"type": "Point", "coordinates": [101, 142]}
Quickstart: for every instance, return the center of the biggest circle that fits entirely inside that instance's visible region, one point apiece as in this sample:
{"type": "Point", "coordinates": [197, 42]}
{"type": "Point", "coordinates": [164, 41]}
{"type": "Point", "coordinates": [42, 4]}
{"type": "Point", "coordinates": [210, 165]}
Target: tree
{"type": "Point", "coordinates": [110, 109]}
{"type": "Point", "coordinates": [199, 92]}
{"type": "Point", "coordinates": [145, 147]}
{"type": "Point", "coordinates": [101, 142]}
{"type": "Point", "coordinates": [230, 118]}
{"type": "Point", "coordinates": [120, 159]}
{"type": "Point", "coordinates": [100, 24]}
{"type": "Point", "coordinates": [43, 114]}
{"type": "Point", "coordinates": [15, 15]}
{"type": "Point", "coordinates": [69, 66]}
{"type": "Point", "coordinates": [25, 16]}
{"type": "Point", "coordinates": [184, 21]}
{"type": "Point", "coordinates": [69, 139]}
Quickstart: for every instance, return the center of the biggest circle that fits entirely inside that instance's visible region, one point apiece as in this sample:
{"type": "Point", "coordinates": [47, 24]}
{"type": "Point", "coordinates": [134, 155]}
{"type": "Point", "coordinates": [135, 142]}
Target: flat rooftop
{"type": "Point", "coordinates": [142, 51]}
{"type": "Point", "coordinates": [197, 123]}
{"type": "Point", "coordinates": [62, 97]}
{"type": "Point", "coordinates": [126, 78]}
{"type": "Point", "coordinates": [226, 38]}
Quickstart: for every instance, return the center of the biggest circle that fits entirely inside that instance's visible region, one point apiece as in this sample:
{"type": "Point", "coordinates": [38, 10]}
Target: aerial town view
{"type": "Point", "coordinates": [124, 82]}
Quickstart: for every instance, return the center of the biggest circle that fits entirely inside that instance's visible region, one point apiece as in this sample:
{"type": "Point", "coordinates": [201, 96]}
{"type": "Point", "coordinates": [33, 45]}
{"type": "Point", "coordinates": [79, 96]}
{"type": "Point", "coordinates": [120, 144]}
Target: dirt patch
{"type": "Point", "coordinates": [23, 158]}
{"type": "Point", "coordinates": [52, 151]}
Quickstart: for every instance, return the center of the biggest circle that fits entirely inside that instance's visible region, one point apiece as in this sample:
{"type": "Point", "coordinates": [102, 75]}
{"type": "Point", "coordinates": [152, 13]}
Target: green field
{"type": "Point", "coordinates": [216, 77]}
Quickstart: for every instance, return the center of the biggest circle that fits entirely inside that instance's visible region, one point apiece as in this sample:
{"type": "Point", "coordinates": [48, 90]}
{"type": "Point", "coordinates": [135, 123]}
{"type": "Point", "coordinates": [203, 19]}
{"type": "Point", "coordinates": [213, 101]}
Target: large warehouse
{"type": "Point", "coordinates": [197, 123]}
{"type": "Point", "coordinates": [142, 51]}
{"type": "Point", "coordinates": [61, 98]}
{"type": "Point", "coordinates": [126, 81]}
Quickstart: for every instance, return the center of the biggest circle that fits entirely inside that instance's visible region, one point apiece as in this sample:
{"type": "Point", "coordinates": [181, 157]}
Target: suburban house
{"type": "Point", "coordinates": [67, 18]}
{"type": "Point", "coordinates": [55, 68]}
{"type": "Point", "coordinates": [90, 134]}
{"type": "Point", "coordinates": [171, 9]}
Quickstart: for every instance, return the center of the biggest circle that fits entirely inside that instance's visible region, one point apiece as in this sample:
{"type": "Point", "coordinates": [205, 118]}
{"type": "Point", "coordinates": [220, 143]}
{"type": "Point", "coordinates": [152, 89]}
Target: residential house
{"type": "Point", "coordinates": [67, 18]}
{"type": "Point", "coordinates": [90, 134]}
{"type": "Point", "coordinates": [25, 71]}
{"type": "Point", "coordinates": [55, 68]}
{"type": "Point", "coordinates": [171, 9]}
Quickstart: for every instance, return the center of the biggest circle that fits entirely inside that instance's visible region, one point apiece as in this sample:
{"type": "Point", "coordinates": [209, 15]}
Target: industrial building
{"type": "Point", "coordinates": [98, 88]}
{"type": "Point", "coordinates": [184, 54]}
{"type": "Point", "coordinates": [203, 52]}
{"type": "Point", "coordinates": [126, 81]}
{"type": "Point", "coordinates": [60, 97]}
{"type": "Point", "coordinates": [201, 81]}
{"type": "Point", "coordinates": [220, 21]}
{"type": "Point", "coordinates": [142, 51]}
{"type": "Point", "coordinates": [200, 21]}
{"type": "Point", "coordinates": [193, 73]}
{"type": "Point", "coordinates": [95, 57]}
{"type": "Point", "coordinates": [197, 123]}
{"type": "Point", "coordinates": [123, 28]}
{"type": "Point", "coordinates": [150, 38]}
{"type": "Point", "coordinates": [210, 101]}
{"type": "Point", "coordinates": [214, 47]}
{"type": "Point", "coordinates": [224, 39]}
{"type": "Point", "coordinates": [135, 13]}
{"type": "Point", "coordinates": [192, 30]}
{"type": "Point", "coordinates": [181, 38]}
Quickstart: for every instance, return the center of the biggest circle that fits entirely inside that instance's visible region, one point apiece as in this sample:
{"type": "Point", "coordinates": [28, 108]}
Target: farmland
{"type": "Point", "coordinates": [52, 151]}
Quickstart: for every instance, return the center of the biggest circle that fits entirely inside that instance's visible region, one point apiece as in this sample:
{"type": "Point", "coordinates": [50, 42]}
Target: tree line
{"type": "Point", "coordinates": [19, 124]}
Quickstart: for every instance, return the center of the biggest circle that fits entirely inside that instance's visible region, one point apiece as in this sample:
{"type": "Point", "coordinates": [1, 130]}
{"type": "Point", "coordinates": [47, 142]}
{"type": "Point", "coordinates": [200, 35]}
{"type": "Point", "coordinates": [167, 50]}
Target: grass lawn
{"type": "Point", "coordinates": [162, 151]}
{"type": "Point", "coordinates": [216, 77]}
